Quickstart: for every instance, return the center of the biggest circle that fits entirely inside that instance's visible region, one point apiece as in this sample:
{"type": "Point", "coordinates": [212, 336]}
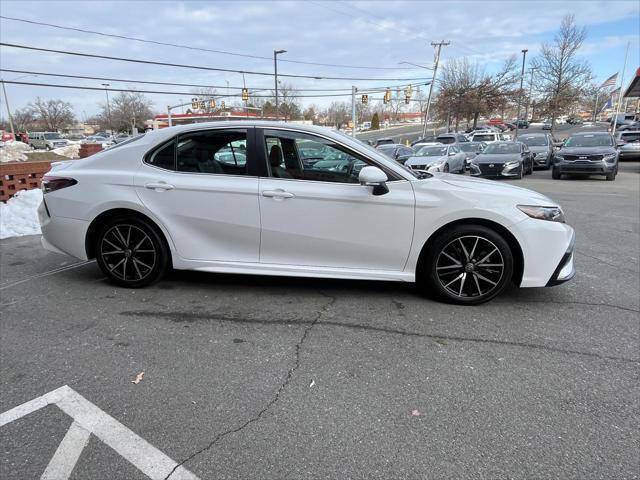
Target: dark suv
{"type": "Point", "coordinates": [451, 138]}
{"type": "Point", "coordinates": [587, 154]}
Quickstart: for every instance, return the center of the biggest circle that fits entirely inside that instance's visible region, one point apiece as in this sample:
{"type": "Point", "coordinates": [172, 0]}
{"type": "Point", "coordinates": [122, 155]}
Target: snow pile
{"type": "Point", "coordinates": [19, 216]}
{"type": "Point", "coordinates": [14, 152]}
{"type": "Point", "coordinates": [70, 151]}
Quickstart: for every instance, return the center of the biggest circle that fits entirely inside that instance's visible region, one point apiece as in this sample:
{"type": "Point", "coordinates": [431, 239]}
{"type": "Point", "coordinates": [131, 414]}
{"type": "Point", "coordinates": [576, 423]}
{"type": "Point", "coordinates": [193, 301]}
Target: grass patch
{"type": "Point", "coordinates": [45, 157]}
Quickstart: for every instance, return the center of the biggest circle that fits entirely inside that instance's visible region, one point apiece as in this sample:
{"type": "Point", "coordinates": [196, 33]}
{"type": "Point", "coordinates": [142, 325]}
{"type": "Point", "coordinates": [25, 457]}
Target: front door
{"type": "Point", "coordinates": [314, 211]}
{"type": "Point", "coordinates": [200, 185]}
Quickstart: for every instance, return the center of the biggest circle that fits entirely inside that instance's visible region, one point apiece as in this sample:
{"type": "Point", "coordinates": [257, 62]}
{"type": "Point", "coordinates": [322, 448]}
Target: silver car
{"type": "Point", "coordinates": [438, 158]}
{"type": "Point", "coordinates": [628, 143]}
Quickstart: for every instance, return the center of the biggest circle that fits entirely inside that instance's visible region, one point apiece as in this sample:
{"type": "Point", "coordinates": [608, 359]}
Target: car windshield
{"type": "Point", "coordinates": [484, 137]}
{"type": "Point", "coordinates": [534, 141]}
{"type": "Point", "coordinates": [589, 141]}
{"type": "Point", "coordinates": [52, 136]}
{"type": "Point", "coordinates": [432, 152]}
{"type": "Point", "coordinates": [469, 147]}
{"type": "Point", "coordinates": [446, 139]}
{"type": "Point", "coordinates": [500, 148]}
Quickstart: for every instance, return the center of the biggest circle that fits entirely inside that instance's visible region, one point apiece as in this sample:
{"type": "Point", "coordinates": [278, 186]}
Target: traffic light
{"type": "Point", "coordinates": [194, 103]}
{"type": "Point", "coordinates": [407, 99]}
{"type": "Point", "coordinates": [387, 96]}
{"type": "Point", "coordinates": [212, 103]}
{"type": "Point", "coordinates": [245, 94]}
{"type": "Point", "coordinates": [202, 104]}
{"type": "Point", "coordinates": [222, 104]}
{"type": "Point", "coordinates": [365, 99]}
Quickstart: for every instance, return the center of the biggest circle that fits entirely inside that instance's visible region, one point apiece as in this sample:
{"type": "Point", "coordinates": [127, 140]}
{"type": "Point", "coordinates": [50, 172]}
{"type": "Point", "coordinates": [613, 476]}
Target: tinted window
{"type": "Point", "coordinates": [484, 137]}
{"type": "Point", "coordinates": [163, 157]}
{"type": "Point", "coordinates": [499, 148]}
{"type": "Point", "coordinates": [534, 140]}
{"type": "Point", "coordinates": [287, 153]}
{"type": "Point", "coordinates": [631, 137]}
{"type": "Point", "coordinates": [406, 152]}
{"type": "Point", "coordinates": [446, 140]}
{"type": "Point", "coordinates": [221, 152]}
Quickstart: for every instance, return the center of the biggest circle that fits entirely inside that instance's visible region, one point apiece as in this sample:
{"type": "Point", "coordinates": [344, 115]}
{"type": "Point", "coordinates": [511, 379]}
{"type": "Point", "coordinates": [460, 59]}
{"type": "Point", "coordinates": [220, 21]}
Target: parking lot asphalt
{"type": "Point", "coordinates": [263, 377]}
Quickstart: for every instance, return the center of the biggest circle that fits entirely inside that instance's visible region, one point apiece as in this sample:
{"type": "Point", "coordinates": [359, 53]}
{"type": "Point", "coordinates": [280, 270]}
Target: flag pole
{"type": "Point", "coordinates": [615, 119]}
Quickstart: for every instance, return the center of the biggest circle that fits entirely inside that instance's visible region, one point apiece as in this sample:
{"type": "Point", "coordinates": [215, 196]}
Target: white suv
{"type": "Point", "coordinates": [489, 137]}
{"type": "Point", "coordinates": [47, 140]}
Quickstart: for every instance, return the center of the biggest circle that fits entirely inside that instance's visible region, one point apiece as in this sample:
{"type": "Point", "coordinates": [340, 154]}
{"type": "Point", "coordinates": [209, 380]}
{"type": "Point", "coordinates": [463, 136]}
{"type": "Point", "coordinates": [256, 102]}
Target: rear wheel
{"type": "Point", "coordinates": [467, 265]}
{"type": "Point", "coordinates": [555, 174]}
{"type": "Point", "coordinates": [131, 252]}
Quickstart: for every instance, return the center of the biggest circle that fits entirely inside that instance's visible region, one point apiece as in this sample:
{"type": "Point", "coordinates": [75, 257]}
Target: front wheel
{"type": "Point", "coordinates": [521, 172]}
{"type": "Point", "coordinates": [555, 174]}
{"type": "Point", "coordinates": [610, 177]}
{"type": "Point", "coordinates": [467, 265]}
{"type": "Point", "coordinates": [131, 252]}
{"type": "Point", "coordinates": [445, 169]}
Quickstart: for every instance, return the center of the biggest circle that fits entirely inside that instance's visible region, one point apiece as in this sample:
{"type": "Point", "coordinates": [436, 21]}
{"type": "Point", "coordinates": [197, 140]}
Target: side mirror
{"type": "Point", "coordinates": [558, 144]}
{"type": "Point", "coordinates": [374, 177]}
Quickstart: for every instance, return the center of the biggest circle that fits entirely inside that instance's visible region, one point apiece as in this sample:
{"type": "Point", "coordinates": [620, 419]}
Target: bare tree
{"type": "Point", "coordinates": [128, 110]}
{"type": "Point", "coordinates": [561, 75]}
{"type": "Point", "coordinates": [24, 120]}
{"type": "Point", "coordinates": [288, 102]}
{"type": "Point", "coordinates": [52, 114]}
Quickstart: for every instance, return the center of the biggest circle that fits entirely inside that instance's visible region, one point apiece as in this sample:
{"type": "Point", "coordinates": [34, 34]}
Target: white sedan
{"type": "Point", "coordinates": [236, 197]}
{"type": "Point", "coordinates": [438, 158]}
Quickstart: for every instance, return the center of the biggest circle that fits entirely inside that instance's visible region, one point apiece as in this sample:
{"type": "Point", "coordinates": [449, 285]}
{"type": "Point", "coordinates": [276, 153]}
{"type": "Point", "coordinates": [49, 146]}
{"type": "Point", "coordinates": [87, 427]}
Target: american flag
{"type": "Point", "coordinates": [611, 81]}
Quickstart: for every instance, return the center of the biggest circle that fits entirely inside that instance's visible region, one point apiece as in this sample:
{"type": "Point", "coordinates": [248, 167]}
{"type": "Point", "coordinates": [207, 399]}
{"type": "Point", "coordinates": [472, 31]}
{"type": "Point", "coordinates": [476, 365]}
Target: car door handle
{"type": "Point", "coordinates": [277, 194]}
{"type": "Point", "coordinates": [159, 186]}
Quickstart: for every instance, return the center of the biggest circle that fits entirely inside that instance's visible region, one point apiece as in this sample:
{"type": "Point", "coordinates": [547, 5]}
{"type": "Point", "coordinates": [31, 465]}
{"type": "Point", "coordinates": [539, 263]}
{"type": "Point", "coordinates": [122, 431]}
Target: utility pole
{"type": "Point", "coordinates": [433, 80]}
{"type": "Point", "coordinates": [353, 111]}
{"type": "Point", "coordinates": [526, 109]}
{"type": "Point", "coordinates": [6, 101]}
{"type": "Point", "coordinates": [624, 68]}
{"type": "Point", "coordinates": [524, 57]}
{"type": "Point", "coordinates": [105, 85]}
{"type": "Point", "coordinates": [275, 71]}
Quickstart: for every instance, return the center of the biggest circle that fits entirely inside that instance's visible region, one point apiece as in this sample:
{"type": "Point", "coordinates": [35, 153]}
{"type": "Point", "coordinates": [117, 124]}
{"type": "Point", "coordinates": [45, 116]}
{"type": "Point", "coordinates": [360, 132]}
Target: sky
{"type": "Point", "coordinates": [348, 34]}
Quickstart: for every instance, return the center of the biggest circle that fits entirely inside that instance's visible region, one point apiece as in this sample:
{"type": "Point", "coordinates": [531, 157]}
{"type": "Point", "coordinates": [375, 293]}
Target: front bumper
{"type": "Point", "coordinates": [540, 160]}
{"type": "Point", "coordinates": [497, 171]}
{"type": "Point", "coordinates": [586, 167]}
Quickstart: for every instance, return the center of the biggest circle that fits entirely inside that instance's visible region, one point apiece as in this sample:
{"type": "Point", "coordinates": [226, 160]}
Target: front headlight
{"type": "Point", "coordinates": [437, 163]}
{"type": "Point", "coordinates": [511, 164]}
{"type": "Point", "coordinates": [553, 214]}
{"type": "Point", "coordinates": [610, 157]}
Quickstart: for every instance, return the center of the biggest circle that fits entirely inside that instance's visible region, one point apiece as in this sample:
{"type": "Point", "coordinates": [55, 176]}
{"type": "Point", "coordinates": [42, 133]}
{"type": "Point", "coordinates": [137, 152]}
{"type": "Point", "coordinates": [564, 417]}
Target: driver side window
{"type": "Point", "coordinates": [301, 156]}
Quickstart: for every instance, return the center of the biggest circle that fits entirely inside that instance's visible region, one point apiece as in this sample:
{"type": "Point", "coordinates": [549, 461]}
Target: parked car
{"type": "Point", "coordinates": [503, 159]}
{"type": "Point", "coordinates": [47, 140]}
{"type": "Point", "coordinates": [522, 124]}
{"type": "Point", "coordinates": [121, 138]}
{"type": "Point", "coordinates": [628, 126]}
{"type": "Point", "coordinates": [489, 137]}
{"type": "Point", "coordinates": [430, 139]}
{"type": "Point", "coordinates": [541, 147]}
{"type": "Point", "coordinates": [546, 125]}
{"type": "Point", "coordinates": [396, 151]}
{"type": "Point", "coordinates": [145, 206]}
{"type": "Point", "coordinates": [628, 143]}
{"type": "Point", "coordinates": [96, 139]}
{"type": "Point", "coordinates": [419, 145]}
{"type": "Point", "coordinates": [451, 138]}
{"type": "Point", "coordinates": [575, 121]}
{"type": "Point", "coordinates": [438, 158]}
{"type": "Point", "coordinates": [591, 153]}
{"type": "Point", "coordinates": [383, 141]}
{"type": "Point", "coordinates": [470, 150]}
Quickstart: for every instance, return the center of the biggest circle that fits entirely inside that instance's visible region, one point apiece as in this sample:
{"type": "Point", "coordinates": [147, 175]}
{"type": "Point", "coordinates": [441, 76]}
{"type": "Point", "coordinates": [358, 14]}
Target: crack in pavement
{"type": "Point", "coordinates": [276, 397]}
{"type": "Point", "coordinates": [605, 262]}
{"type": "Point", "coordinates": [180, 317]}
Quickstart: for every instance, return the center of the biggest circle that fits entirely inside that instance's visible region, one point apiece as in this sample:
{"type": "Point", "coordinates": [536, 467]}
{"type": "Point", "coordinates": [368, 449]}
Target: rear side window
{"type": "Point", "coordinates": [631, 137]}
{"type": "Point", "coordinates": [485, 137]}
{"type": "Point", "coordinates": [163, 157]}
{"type": "Point", "coordinates": [221, 152]}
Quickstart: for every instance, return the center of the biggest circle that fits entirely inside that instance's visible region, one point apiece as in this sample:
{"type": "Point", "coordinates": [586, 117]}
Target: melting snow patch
{"type": "Point", "coordinates": [19, 216]}
{"type": "Point", "coordinates": [14, 152]}
{"type": "Point", "coordinates": [70, 151]}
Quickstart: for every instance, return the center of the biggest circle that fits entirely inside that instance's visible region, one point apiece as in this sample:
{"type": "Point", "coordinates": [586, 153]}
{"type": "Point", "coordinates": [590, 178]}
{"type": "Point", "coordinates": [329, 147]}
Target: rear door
{"type": "Point", "coordinates": [203, 187]}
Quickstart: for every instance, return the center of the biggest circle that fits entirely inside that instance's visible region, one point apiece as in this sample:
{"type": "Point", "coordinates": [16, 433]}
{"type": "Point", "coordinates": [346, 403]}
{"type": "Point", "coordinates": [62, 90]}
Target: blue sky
{"type": "Point", "coordinates": [362, 33]}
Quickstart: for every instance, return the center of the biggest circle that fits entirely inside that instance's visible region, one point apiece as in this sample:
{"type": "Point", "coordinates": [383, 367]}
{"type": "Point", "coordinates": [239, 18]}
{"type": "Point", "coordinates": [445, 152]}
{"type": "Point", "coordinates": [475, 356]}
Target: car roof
{"type": "Point", "coordinates": [534, 134]}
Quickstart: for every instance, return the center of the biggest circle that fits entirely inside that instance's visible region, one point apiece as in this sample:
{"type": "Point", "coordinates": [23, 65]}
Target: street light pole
{"type": "Point", "coordinates": [6, 101]}
{"type": "Point", "coordinates": [105, 85]}
{"type": "Point", "coordinates": [275, 71]}
{"type": "Point", "coordinates": [526, 108]}
{"type": "Point", "coordinates": [524, 56]}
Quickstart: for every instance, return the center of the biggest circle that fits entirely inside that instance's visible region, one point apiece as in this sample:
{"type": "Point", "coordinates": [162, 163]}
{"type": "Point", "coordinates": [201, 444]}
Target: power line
{"type": "Point", "coordinates": [158, 92]}
{"type": "Point", "coordinates": [255, 89]}
{"type": "Point", "coordinates": [190, 47]}
{"type": "Point", "coordinates": [197, 67]}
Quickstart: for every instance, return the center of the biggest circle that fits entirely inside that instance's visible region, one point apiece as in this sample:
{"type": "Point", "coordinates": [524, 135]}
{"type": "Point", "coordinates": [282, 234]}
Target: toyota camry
{"type": "Point", "coordinates": [237, 197]}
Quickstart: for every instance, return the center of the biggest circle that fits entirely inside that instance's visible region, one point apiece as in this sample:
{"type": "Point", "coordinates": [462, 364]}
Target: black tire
{"type": "Point", "coordinates": [469, 283]}
{"type": "Point", "coordinates": [521, 173]}
{"type": "Point", "coordinates": [445, 169]}
{"type": "Point", "coordinates": [610, 177]}
{"type": "Point", "coordinates": [131, 252]}
{"type": "Point", "coordinates": [555, 174]}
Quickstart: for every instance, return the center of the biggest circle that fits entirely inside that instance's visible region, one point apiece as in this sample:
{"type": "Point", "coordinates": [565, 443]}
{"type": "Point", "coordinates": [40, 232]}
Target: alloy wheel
{"type": "Point", "coordinates": [128, 252]}
{"type": "Point", "coordinates": [470, 266]}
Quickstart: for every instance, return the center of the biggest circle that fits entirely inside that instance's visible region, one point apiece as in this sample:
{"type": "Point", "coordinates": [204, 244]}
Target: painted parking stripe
{"type": "Point", "coordinates": [67, 454]}
{"type": "Point", "coordinates": [140, 453]}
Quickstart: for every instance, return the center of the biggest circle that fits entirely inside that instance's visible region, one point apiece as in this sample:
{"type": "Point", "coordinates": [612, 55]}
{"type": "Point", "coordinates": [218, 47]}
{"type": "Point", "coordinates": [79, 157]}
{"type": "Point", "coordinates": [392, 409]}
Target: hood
{"type": "Point", "coordinates": [586, 150]}
{"type": "Point", "coordinates": [499, 188]}
{"type": "Point", "coordinates": [497, 158]}
{"type": "Point", "coordinates": [424, 160]}
{"type": "Point", "coordinates": [538, 149]}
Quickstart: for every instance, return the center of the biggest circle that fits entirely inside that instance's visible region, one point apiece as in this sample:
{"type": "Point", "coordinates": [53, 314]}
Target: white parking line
{"type": "Point", "coordinates": [67, 454]}
{"type": "Point", "coordinates": [46, 274]}
{"type": "Point", "coordinates": [89, 418]}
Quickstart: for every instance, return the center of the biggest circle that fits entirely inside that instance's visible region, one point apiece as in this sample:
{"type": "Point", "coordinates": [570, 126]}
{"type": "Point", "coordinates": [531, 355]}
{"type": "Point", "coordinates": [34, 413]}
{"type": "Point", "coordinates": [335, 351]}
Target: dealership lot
{"type": "Point", "coordinates": [337, 379]}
